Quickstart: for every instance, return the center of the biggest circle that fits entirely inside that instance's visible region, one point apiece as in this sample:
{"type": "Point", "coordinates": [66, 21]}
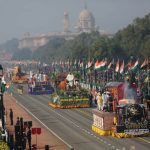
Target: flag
{"type": "Point", "coordinates": [122, 67]}
{"type": "Point", "coordinates": [100, 65]}
{"type": "Point", "coordinates": [62, 64]}
{"type": "Point", "coordinates": [129, 64]}
{"type": "Point", "coordinates": [144, 64]}
{"type": "Point", "coordinates": [117, 66]}
{"type": "Point", "coordinates": [89, 64]}
{"type": "Point", "coordinates": [45, 65]}
{"type": "Point", "coordinates": [80, 63]}
{"type": "Point", "coordinates": [135, 66]}
{"type": "Point", "coordinates": [75, 64]}
{"type": "Point", "coordinates": [53, 63]}
{"type": "Point", "coordinates": [111, 64]}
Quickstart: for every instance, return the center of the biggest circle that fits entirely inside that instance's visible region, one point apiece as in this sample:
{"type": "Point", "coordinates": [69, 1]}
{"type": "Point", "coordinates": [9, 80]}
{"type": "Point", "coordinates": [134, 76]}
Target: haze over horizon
{"type": "Point", "coordinates": [43, 16]}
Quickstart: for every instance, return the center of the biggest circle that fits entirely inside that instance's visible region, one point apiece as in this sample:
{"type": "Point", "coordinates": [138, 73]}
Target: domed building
{"type": "Point", "coordinates": [86, 21]}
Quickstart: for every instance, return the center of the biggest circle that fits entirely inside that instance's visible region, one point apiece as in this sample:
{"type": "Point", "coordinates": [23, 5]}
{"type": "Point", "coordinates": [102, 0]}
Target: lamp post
{"type": "Point", "coordinates": [1, 96]}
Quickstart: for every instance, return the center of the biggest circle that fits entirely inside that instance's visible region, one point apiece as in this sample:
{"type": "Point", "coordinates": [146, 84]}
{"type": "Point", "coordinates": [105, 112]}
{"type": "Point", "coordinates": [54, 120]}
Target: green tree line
{"type": "Point", "coordinates": [134, 40]}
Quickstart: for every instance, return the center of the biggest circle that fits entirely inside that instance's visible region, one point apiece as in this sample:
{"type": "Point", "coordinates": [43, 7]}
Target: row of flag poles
{"type": "Point", "coordinates": [102, 71]}
{"type": "Point", "coordinates": [119, 66]}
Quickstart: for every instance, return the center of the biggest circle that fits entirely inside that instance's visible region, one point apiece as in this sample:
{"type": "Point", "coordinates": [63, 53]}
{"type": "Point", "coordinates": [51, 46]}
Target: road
{"type": "Point", "coordinates": [73, 126]}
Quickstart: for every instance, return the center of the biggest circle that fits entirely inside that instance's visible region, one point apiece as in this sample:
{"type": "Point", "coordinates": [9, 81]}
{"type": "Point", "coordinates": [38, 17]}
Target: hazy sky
{"type": "Point", "coordinates": [42, 16]}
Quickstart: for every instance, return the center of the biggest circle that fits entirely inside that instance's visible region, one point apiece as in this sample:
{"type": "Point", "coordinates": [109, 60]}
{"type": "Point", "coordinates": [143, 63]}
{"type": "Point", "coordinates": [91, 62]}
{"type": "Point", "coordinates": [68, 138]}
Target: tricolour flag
{"type": "Point", "coordinates": [100, 65]}
{"type": "Point", "coordinates": [129, 65]}
{"type": "Point", "coordinates": [75, 64]}
{"type": "Point", "coordinates": [111, 64]}
{"type": "Point", "coordinates": [117, 66]}
{"type": "Point", "coordinates": [135, 65]}
{"type": "Point", "coordinates": [122, 67]}
{"type": "Point", "coordinates": [80, 63]}
{"type": "Point", "coordinates": [144, 64]}
{"type": "Point", "coordinates": [89, 64]}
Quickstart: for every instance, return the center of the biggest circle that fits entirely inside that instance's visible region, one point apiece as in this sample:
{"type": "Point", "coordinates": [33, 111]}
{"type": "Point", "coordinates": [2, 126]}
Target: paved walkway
{"type": "Point", "coordinates": [45, 138]}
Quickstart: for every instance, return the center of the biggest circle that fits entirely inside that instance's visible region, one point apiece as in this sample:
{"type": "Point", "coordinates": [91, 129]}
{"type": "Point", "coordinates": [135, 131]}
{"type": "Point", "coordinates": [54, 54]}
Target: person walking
{"type": "Point", "coordinates": [11, 117]}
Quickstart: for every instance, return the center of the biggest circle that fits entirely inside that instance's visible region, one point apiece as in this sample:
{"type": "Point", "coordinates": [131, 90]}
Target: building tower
{"type": "Point", "coordinates": [66, 22]}
{"type": "Point", "coordinates": [86, 21]}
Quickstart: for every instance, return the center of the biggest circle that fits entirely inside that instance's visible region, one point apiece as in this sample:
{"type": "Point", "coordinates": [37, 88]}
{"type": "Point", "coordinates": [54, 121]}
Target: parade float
{"type": "Point", "coordinates": [128, 118]}
{"type": "Point", "coordinates": [18, 76]}
{"type": "Point", "coordinates": [69, 93]}
{"type": "Point", "coordinates": [39, 84]}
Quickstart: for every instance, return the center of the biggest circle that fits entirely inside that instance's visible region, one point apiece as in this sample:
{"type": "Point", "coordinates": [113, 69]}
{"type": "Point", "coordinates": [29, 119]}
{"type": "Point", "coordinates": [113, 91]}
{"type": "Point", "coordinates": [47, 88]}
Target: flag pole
{"type": "Point", "coordinates": [113, 70]}
{"type": "Point", "coordinates": [148, 84]}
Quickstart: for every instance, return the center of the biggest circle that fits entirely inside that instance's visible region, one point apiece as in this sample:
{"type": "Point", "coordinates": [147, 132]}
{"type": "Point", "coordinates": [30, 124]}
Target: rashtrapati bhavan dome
{"type": "Point", "coordinates": [85, 23]}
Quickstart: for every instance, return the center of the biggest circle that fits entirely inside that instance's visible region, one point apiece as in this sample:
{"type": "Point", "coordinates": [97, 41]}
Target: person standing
{"type": "Point", "coordinates": [24, 140]}
{"type": "Point", "coordinates": [104, 98]}
{"type": "Point", "coordinates": [18, 121]}
{"type": "Point", "coordinates": [99, 101]}
{"type": "Point", "coordinates": [110, 101]}
{"type": "Point", "coordinates": [90, 99]}
{"type": "Point", "coordinates": [11, 117]}
{"type": "Point", "coordinates": [29, 138]}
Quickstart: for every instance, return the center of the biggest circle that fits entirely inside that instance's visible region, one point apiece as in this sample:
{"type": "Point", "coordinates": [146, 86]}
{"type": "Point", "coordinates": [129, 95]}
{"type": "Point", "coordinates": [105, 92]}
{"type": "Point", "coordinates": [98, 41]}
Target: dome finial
{"type": "Point", "coordinates": [85, 5]}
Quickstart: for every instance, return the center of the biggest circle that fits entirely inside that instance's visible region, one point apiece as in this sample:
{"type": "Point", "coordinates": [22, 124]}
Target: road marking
{"type": "Point", "coordinates": [44, 124]}
{"type": "Point", "coordinates": [86, 131]}
{"type": "Point", "coordinates": [142, 139]}
{"type": "Point", "coordinates": [113, 146]}
{"type": "Point", "coordinates": [83, 112]}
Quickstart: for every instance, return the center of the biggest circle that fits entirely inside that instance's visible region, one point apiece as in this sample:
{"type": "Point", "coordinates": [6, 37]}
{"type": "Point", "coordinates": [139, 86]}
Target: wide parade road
{"type": "Point", "coordinates": [74, 125]}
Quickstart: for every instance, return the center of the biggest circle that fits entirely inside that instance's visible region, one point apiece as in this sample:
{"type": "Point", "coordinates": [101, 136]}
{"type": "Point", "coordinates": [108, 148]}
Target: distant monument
{"type": "Point", "coordinates": [66, 22]}
{"type": "Point", "coordinates": [85, 23]}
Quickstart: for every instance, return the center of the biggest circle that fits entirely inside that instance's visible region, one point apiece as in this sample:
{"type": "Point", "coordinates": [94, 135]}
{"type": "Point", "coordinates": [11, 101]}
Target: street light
{"type": "Point", "coordinates": [1, 96]}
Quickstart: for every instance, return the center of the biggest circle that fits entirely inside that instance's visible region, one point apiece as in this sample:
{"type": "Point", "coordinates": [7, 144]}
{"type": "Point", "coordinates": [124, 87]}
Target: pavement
{"type": "Point", "coordinates": [45, 138]}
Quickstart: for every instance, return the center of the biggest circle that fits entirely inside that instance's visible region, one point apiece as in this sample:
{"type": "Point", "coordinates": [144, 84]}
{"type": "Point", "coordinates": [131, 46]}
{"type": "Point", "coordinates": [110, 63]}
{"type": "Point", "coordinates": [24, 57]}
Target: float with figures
{"type": "Point", "coordinates": [121, 113]}
{"type": "Point", "coordinates": [18, 76]}
{"type": "Point", "coordinates": [68, 94]}
{"type": "Point", "coordinates": [39, 84]}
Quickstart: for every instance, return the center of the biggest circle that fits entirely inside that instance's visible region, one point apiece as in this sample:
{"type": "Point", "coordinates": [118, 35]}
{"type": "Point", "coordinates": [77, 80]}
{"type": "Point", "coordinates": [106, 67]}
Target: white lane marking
{"type": "Point", "coordinates": [113, 146]}
{"type": "Point", "coordinates": [53, 110]}
{"type": "Point", "coordinates": [44, 125]}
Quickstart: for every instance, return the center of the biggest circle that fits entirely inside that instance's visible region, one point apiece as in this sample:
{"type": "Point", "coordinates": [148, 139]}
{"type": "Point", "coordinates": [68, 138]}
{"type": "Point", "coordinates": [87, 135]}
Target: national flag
{"type": "Point", "coordinates": [68, 62]}
{"type": "Point", "coordinates": [89, 64]}
{"type": "Point", "coordinates": [144, 64]}
{"type": "Point", "coordinates": [80, 63]}
{"type": "Point", "coordinates": [129, 65]}
{"type": "Point", "coordinates": [135, 65]}
{"type": "Point", "coordinates": [53, 63]}
{"type": "Point", "coordinates": [100, 65]}
{"type": "Point", "coordinates": [62, 64]}
{"type": "Point", "coordinates": [111, 64]}
{"type": "Point", "coordinates": [45, 65]}
{"type": "Point", "coordinates": [75, 64]}
{"type": "Point", "coordinates": [122, 67]}
{"type": "Point", "coordinates": [117, 66]}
